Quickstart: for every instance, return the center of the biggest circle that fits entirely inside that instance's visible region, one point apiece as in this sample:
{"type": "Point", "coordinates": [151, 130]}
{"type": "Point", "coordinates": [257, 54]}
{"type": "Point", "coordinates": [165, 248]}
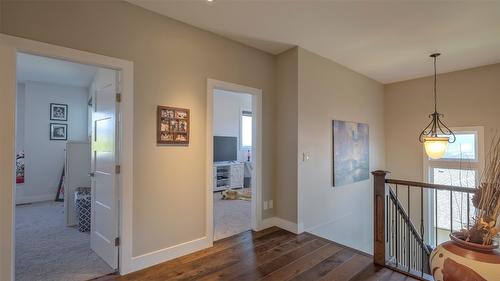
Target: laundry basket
{"type": "Point", "coordinates": [82, 207]}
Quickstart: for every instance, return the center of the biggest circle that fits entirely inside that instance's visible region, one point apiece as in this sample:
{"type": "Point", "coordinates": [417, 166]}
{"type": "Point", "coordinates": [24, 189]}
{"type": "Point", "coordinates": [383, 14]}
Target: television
{"type": "Point", "coordinates": [225, 149]}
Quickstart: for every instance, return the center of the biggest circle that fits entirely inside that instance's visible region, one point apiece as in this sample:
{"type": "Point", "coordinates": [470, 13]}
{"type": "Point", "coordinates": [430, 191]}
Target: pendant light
{"type": "Point", "coordinates": [436, 135]}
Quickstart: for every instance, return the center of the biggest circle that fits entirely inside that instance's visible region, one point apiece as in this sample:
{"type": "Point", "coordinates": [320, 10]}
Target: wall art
{"type": "Point", "coordinates": [351, 156]}
{"type": "Point", "coordinates": [172, 125]}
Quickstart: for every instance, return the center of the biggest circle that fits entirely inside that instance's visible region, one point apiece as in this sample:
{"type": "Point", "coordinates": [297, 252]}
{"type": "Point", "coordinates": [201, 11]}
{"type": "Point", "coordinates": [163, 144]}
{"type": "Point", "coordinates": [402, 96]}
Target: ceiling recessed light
{"type": "Point", "coordinates": [210, 0]}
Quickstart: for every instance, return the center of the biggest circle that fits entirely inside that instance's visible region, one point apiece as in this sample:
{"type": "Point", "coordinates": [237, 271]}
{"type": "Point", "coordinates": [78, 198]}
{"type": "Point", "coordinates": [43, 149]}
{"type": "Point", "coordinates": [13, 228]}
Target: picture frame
{"type": "Point", "coordinates": [58, 112]}
{"type": "Point", "coordinates": [58, 131]}
{"type": "Point", "coordinates": [173, 125]}
{"type": "Point", "coordinates": [351, 152]}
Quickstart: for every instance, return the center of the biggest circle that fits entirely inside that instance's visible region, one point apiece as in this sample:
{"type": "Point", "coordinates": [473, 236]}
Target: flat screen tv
{"type": "Point", "coordinates": [225, 149]}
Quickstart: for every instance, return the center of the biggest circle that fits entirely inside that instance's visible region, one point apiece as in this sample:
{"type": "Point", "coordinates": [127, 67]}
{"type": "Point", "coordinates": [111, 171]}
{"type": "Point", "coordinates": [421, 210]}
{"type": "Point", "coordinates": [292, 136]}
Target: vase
{"type": "Point", "coordinates": [459, 260]}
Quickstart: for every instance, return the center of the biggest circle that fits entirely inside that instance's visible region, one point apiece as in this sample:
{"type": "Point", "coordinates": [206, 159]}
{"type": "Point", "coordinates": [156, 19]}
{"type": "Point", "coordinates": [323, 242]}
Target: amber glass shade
{"type": "Point", "coordinates": [435, 147]}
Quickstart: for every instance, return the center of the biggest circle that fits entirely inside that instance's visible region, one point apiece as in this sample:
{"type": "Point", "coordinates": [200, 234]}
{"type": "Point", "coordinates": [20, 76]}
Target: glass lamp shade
{"type": "Point", "coordinates": [436, 147]}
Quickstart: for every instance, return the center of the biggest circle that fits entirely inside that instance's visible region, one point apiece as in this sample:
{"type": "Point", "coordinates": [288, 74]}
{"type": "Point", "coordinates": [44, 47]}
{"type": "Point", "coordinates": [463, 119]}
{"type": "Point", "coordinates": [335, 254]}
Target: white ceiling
{"type": "Point", "coordinates": [386, 40]}
{"type": "Point", "coordinates": [48, 70]}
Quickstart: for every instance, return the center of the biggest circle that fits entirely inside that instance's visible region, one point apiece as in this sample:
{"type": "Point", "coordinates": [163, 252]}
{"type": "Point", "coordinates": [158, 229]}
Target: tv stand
{"type": "Point", "coordinates": [228, 175]}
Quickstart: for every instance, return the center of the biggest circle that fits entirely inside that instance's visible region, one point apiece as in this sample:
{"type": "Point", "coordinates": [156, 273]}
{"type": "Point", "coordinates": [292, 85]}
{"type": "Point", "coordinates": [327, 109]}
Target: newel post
{"type": "Point", "coordinates": [379, 217]}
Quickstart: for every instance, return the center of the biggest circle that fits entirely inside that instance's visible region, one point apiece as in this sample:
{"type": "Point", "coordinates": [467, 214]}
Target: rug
{"type": "Point", "coordinates": [47, 250]}
{"type": "Point", "coordinates": [231, 216]}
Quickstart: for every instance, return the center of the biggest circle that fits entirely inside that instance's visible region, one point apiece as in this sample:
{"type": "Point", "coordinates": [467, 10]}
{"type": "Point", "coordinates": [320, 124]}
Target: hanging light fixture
{"type": "Point", "coordinates": [436, 135]}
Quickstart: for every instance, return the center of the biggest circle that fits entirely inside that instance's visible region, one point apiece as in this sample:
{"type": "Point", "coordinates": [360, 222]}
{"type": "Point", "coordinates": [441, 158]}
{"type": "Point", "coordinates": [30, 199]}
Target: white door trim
{"type": "Point", "coordinates": [256, 152]}
{"type": "Point", "coordinates": [125, 179]}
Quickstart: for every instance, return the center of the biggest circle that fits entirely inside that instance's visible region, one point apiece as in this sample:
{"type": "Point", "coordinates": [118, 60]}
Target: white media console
{"type": "Point", "coordinates": [228, 175]}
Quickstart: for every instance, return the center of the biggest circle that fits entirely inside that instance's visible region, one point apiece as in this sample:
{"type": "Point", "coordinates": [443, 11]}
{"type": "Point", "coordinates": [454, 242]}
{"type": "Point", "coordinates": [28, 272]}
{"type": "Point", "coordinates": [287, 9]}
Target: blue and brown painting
{"type": "Point", "coordinates": [351, 156]}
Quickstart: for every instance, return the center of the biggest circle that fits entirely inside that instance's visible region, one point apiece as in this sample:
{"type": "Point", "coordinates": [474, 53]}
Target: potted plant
{"type": "Point", "coordinates": [472, 254]}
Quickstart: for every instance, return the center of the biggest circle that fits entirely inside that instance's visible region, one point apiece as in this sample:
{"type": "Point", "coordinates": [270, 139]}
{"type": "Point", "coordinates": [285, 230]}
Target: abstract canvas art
{"type": "Point", "coordinates": [351, 155]}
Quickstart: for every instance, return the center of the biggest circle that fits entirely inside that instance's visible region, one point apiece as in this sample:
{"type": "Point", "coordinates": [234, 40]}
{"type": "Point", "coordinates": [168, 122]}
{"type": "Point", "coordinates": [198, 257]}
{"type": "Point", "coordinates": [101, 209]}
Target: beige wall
{"type": "Point", "coordinates": [466, 98]}
{"type": "Point", "coordinates": [7, 154]}
{"type": "Point", "coordinates": [286, 120]}
{"type": "Point", "coordinates": [171, 64]}
{"type": "Point", "coordinates": [1, 15]}
{"type": "Point", "coordinates": [329, 91]}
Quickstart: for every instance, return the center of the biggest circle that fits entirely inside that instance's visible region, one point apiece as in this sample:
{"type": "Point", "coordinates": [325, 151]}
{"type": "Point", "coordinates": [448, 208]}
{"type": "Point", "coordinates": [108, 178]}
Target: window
{"type": "Point", "coordinates": [460, 166]}
{"type": "Point", "coordinates": [246, 129]}
{"type": "Point", "coordinates": [463, 148]}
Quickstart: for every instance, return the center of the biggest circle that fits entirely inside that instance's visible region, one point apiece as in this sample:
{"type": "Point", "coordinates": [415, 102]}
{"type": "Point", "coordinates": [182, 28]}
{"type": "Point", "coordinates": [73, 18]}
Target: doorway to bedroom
{"type": "Point", "coordinates": [66, 215]}
{"type": "Point", "coordinates": [233, 165]}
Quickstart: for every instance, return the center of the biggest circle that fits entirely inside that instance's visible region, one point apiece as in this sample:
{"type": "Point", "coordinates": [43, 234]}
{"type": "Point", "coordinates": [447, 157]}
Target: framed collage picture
{"type": "Point", "coordinates": [172, 125]}
{"type": "Point", "coordinates": [58, 112]}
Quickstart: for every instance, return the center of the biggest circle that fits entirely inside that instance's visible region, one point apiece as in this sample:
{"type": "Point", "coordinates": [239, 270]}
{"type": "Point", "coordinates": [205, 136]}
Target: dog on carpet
{"type": "Point", "coordinates": [231, 194]}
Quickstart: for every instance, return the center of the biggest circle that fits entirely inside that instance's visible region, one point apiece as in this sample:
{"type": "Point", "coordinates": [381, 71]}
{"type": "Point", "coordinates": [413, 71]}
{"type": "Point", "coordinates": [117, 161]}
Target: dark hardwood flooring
{"type": "Point", "coordinates": [271, 254]}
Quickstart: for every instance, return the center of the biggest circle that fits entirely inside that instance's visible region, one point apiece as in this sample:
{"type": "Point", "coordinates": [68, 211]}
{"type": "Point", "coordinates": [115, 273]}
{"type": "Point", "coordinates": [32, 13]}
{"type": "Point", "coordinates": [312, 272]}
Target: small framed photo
{"type": "Point", "coordinates": [183, 126]}
{"type": "Point", "coordinates": [180, 137]}
{"type": "Point", "coordinates": [181, 114]}
{"type": "Point", "coordinates": [58, 112]}
{"type": "Point", "coordinates": [172, 126]}
{"type": "Point", "coordinates": [58, 131]}
{"type": "Point", "coordinates": [166, 136]}
{"type": "Point", "coordinates": [168, 113]}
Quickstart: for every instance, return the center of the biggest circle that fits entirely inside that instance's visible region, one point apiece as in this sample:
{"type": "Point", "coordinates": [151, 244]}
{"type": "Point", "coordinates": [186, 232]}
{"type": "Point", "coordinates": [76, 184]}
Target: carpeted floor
{"type": "Point", "coordinates": [47, 250]}
{"type": "Point", "coordinates": [231, 216]}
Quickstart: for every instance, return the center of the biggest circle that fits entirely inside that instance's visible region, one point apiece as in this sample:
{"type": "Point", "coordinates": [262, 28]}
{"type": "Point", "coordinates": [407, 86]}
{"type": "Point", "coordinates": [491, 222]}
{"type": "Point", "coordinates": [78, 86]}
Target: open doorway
{"type": "Point", "coordinates": [234, 170]}
{"type": "Point", "coordinates": [66, 214]}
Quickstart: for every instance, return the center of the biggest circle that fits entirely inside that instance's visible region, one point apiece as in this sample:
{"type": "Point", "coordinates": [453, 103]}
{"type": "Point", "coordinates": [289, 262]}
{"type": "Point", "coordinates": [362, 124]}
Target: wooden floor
{"type": "Point", "coordinates": [271, 254]}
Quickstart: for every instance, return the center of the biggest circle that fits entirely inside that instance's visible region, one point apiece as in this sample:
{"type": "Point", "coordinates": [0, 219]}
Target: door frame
{"type": "Point", "coordinates": [256, 202]}
{"type": "Point", "coordinates": [125, 119]}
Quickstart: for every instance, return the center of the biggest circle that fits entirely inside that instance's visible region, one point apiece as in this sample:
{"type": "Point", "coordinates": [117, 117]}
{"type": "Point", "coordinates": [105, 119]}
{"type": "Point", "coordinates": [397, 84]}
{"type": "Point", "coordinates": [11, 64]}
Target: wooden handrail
{"type": "Point", "coordinates": [431, 185]}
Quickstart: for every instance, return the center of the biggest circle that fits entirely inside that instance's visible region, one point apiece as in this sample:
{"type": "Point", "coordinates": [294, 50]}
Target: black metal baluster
{"type": "Point", "coordinates": [468, 210]}
{"type": "Point", "coordinates": [451, 211]}
{"type": "Point", "coordinates": [386, 219]}
{"type": "Point", "coordinates": [397, 228]}
{"type": "Point", "coordinates": [390, 228]}
{"type": "Point", "coordinates": [436, 215]}
{"type": "Point", "coordinates": [411, 252]}
{"type": "Point", "coordinates": [408, 228]}
{"type": "Point", "coordinates": [393, 226]}
{"type": "Point", "coordinates": [405, 250]}
{"type": "Point", "coordinates": [422, 229]}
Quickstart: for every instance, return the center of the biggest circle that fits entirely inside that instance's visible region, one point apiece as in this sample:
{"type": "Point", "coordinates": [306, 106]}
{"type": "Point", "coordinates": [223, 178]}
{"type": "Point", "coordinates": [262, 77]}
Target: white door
{"type": "Point", "coordinates": [104, 226]}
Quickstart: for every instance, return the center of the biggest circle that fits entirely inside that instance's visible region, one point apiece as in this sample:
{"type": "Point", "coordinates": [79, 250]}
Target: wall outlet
{"type": "Point", "coordinates": [265, 205]}
{"type": "Point", "coordinates": [270, 204]}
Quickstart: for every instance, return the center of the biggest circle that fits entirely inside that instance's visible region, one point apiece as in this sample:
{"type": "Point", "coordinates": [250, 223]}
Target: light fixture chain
{"type": "Point", "coordinates": [435, 85]}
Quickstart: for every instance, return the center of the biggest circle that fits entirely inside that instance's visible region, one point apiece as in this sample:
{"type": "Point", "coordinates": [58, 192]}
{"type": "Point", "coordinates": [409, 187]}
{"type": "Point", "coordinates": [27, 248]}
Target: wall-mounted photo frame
{"type": "Point", "coordinates": [58, 112]}
{"type": "Point", "coordinates": [351, 155]}
{"type": "Point", "coordinates": [58, 131]}
{"type": "Point", "coordinates": [172, 125]}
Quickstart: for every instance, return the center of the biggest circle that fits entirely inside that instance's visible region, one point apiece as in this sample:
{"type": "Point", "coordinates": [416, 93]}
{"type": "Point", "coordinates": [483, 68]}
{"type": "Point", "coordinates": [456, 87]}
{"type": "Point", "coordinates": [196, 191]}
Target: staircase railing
{"type": "Point", "coordinates": [406, 247]}
{"type": "Point", "coordinates": [401, 240]}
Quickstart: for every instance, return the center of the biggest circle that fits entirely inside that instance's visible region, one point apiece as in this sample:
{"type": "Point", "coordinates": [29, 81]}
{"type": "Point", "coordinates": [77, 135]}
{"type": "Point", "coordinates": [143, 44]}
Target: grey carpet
{"type": "Point", "coordinates": [47, 250]}
{"type": "Point", "coordinates": [231, 217]}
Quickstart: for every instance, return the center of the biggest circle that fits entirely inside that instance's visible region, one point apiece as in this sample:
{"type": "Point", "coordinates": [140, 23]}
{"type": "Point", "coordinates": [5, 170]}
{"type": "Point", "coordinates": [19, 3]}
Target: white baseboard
{"type": "Point", "coordinates": [33, 199]}
{"type": "Point", "coordinates": [281, 223]}
{"type": "Point", "coordinates": [163, 255]}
